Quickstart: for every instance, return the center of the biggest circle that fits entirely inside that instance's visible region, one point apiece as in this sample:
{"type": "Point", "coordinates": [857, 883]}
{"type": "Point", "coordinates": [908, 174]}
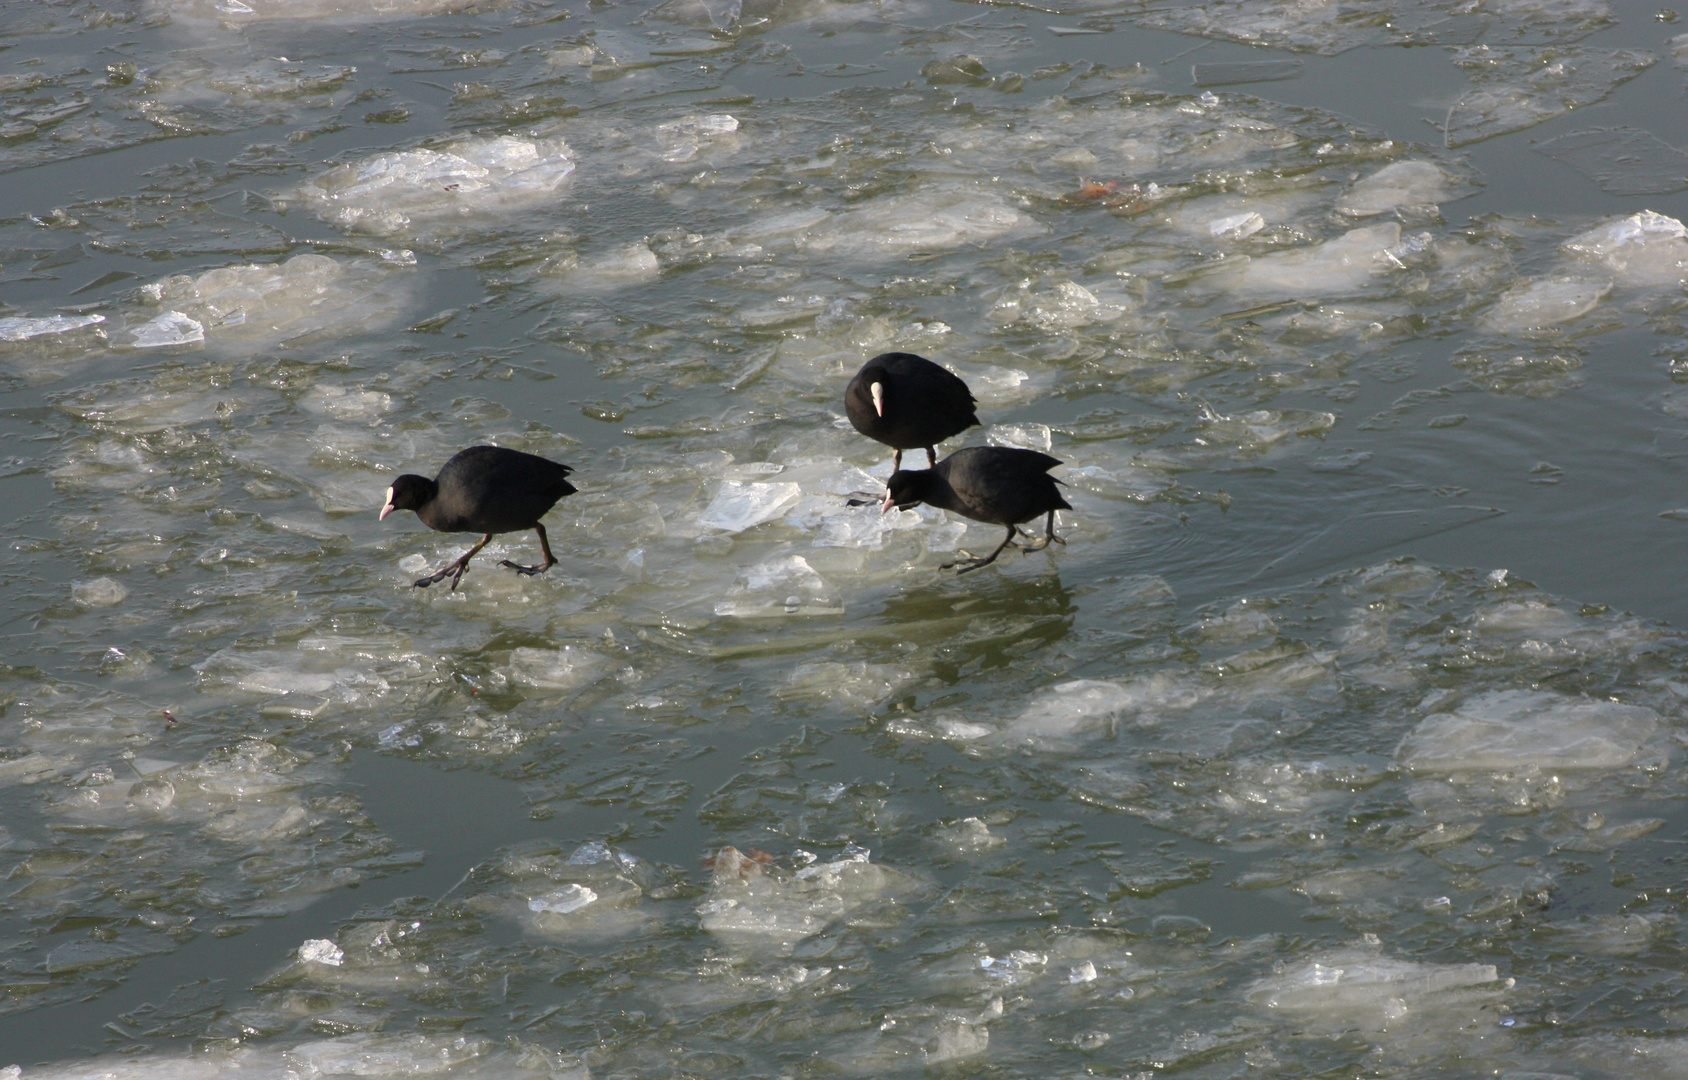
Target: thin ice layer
{"type": "Point", "coordinates": [1519, 729]}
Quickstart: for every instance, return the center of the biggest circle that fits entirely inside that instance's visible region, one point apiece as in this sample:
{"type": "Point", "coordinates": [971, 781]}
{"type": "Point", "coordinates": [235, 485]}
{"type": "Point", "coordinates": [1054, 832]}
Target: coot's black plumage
{"type": "Point", "coordinates": [488, 490]}
{"type": "Point", "coordinates": [998, 485]}
{"type": "Point", "coordinates": [907, 402]}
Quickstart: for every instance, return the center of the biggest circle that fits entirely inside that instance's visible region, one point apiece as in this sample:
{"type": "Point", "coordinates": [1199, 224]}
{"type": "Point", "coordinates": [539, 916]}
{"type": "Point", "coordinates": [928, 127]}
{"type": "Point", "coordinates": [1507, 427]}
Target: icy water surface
{"type": "Point", "coordinates": [1345, 736]}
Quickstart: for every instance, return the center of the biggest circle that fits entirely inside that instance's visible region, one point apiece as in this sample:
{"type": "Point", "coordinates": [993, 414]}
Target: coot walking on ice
{"type": "Point", "coordinates": [484, 489]}
{"type": "Point", "coordinates": [998, 485]}
{"type": "Point", "coordinates": [906, 402]}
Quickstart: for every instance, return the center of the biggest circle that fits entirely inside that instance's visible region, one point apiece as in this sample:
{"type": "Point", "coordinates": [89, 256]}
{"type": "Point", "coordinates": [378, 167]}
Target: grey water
{"type": "Point", "coordinates": [1344, 736]}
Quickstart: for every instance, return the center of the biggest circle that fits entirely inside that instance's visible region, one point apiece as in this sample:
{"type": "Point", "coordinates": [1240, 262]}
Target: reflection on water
{"type": "Point", "coordinates": [1341, 736]}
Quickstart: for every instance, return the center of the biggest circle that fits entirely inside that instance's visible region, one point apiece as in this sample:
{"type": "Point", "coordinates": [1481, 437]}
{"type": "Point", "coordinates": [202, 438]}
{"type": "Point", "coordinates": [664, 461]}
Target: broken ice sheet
{"type": "Point", "coordinates": [1521, 87]}
{"type": "Point", "coordinates": [739, 506]}
{"type": "Point", "coordinates": [466, 182]}
{"type": "Point", "coordinates": [752, 903]}
{"type": "Point", "coordinates": [23, 328]}
{"type": "Point", "coordinates": [239, 11]}
{"type": "Point", "coordinates": [1400, 183]}
{"type": "Point", "coordinates": [1622, 160]}
{"type": "Point", "coordinates": [779, 587]}
{"type": "Point", "coordinates": [305, 298]}
{"type": "Point", "coordinates": [1519, 729]}
{"type": "Point", "coordinates": [1361, 987]}
{"type": "Point", "coordinates": [1340, 266]}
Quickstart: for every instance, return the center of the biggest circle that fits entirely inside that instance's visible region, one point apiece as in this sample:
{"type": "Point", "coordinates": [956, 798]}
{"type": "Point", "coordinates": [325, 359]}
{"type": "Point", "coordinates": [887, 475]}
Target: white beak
{"type": "Point", "coordinates": [885, 507]}
{"type": "Point", "coordinates": [878, 392]}
{"type": "Point", "coordinates": [387, 507]}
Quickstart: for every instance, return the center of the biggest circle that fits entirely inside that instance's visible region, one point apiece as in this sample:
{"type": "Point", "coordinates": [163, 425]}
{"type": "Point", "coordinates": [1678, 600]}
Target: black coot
{"type": "Point", "coordinates": [488, 490]}
{"type": "Point", "coordinates": [998, 485]}
{"type": "Point", "coordinates": [907, 402]}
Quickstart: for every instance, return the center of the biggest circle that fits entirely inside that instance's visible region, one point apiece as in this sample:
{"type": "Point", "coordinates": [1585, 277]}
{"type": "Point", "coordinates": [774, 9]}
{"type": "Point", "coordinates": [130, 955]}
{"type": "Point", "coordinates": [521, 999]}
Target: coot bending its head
{"type": "Point", "coordinates": [907, 402]}
{"type": "Point", "coordinates": [488, 490]}
{"type": "Point", "coordinates": [998, 485]}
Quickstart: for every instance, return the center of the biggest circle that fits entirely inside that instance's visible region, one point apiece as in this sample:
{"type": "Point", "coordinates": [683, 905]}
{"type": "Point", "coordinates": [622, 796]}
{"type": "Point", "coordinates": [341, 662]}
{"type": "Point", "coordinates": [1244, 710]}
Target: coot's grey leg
{"type": "Point", "coordinates": [931, 457]}
{"type": "Point", "coordinates": [1048, 535]}
{"type": "Point", "coordinates": [545, 546]}
{"type": "Point", "coordinates": [974, 564]}
{"type": "Point", "coordinates": [456, 570]}
{"type": "Point", "coordinates": [896, 459]}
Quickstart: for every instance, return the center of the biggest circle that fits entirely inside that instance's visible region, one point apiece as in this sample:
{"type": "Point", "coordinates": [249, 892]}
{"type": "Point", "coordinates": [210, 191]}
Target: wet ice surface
{"type": "Point", "coordinates": [796, 803]}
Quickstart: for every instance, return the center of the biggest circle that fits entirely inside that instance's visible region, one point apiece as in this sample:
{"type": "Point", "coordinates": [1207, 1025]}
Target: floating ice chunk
{"type": "Point", "coordinates": [307, 297]}
{"type": "Point", "coordinates": [1544, 302]}
{"type": "Point", "coordinates": [23, 328]}
{"type": "Point", "coordinates": [102, 592]}
{"type": "Point", "coordinates": [1360, 987]}
{"type": "Point", "coordinates": [322, 951]}
{"type": "Point", "coordinates": [970, 836]}
{"type": "Point", "coordinates": [1346, 264]}
{"type": "Point", "coordinates": [1520, 88]}
{"type": "Point", "coordinates": [931, 220]}
{"type": "Point", "coordinates": [347, 403]}
{"type": "Point", "coordinates": [379, 1055]}
{"type": "Point", "coordinates": [1069, 709]}
{"type": "Point", "coordinates": [1401, 183]}
{"type": "Point", "coordinates": [1622, 160]}
{"type": "Point", "coordinates": [395, 192]}
{"type": "Point", "coordinates": [565, 670]}
{"type": "Point", "coordinates": [737, 506]}
{"type": "Point", "coordinates": [169, 329]}
{"type": "Point", "coordinates": [1242, 622]}
{"type": "Point", "coordinates": [748, 900]}
{"type": "Point", "coordinates": [683, 139]}
{"type": "Point", "coordinates": [569, 898]}
{"type": "Point", "coordinates": [1023, 436]}
{"type": "Point", "coordinates": [82, 955]}
{"type": "Point", "coordinates": [1644, 248]}
{"type": "Point", "coordinates": [784, 586]}
{"type": "Point", "coordinates": [855, 685]}
{"type": "Point", "coordinates": [1064, 306]}
{"type": "Point", "coordinates": [1236, 226]}
{"type": "Point", "coordinates": [1523, 729]}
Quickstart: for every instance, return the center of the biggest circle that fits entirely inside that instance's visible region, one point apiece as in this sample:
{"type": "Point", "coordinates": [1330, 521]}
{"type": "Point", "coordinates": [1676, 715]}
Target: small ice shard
{"type": "Point", "coordinates": [567, 899]}
{"type": "Point", "coordinates": [1236, 226]}
{"type": "Point", "coordinates": [1245, 71]}
{"type": "Point", "coordinates": [1645, 248]}
{"type": "Point", "coordinates": [738, 506]}
{"type": "Point", "coordinates": [1543, 302]}
{"type": "Point", "coordinates": [565, 670]}
{"type": "Point", "coordinates": [101, 592]}
{"type": "Point", "coordinates": [1522, 729]}
{"type": "Point", "coordinates": [784, 586]}
{"type": "Point", "coordinates": [322, 951]}
{"type": "Point", "coordinates": [23, 328]}
{"type": "Point", "coordinates": [1342, 265]}
{"type": "Point", "coordinates": [1082, 973]}
{"type": "Point", "coordinates": [1401, 183]}
{"type": "Point", "coordinates": [170, 328]}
